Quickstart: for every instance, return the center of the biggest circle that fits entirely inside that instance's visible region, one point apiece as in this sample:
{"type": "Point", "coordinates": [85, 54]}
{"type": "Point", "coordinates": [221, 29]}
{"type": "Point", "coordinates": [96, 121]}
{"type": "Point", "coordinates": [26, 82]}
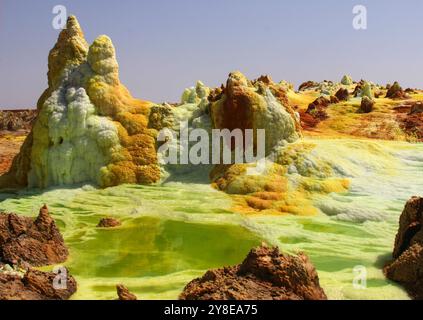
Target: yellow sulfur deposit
{"type": "Point", "coordinates": [89, 127]}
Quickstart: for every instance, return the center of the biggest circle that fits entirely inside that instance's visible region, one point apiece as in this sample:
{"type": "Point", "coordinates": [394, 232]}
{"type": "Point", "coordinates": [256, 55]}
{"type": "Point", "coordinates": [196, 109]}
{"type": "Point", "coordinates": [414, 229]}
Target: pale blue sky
{"type": "Point", "coordinates": [164, 46]}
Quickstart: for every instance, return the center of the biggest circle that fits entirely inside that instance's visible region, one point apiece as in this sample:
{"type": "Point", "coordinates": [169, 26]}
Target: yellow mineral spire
{"type": "Point", "coordinates": [71, 49]}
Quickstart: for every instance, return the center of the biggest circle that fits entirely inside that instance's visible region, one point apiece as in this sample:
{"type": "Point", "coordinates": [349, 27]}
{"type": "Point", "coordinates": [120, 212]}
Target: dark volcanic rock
{"type": "Point", "coordinates": [367, 105]}
{"type": "Point", "coordinates": [416, 107]}
{"type": "Point", "coordinates": [265, 274]}
{"type": "Point", "coordinates": [410, 119]}
{"type": "Point", "coordinates": [358, 88]}
{"type": "Point", "coordinates": [342, 94]}
{"type": "Point", "coordinates": [410, 90]}
{"type": "Point", "coordinates": [124, 294]}
{"type": "Point", "coordinates": [307, 85]}
{"type": "Point", "coordinates": [307, 120]}
{"type": "Point", "coordinates": [317, 108]}
{"type": "Point", "coordinates": [36, 242]}
{"type": "Point", "coordinates": [407, 267]}
{"type": "Point", "coordinates": [316, 111]}
{"type": "Point", "coordinates": [108, 223]}
{"type": "Point", "coordinates": [396, 92]}
{"type": "Point", "coordinates": [36, 285]}
{"type": "Point", "coordinates": [333, 99]}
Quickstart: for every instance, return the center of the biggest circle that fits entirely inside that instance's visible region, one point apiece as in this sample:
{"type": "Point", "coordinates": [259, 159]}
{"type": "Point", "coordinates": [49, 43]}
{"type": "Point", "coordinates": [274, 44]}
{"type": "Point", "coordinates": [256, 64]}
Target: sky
{"type": "Point", "coordinates": [164, 46]}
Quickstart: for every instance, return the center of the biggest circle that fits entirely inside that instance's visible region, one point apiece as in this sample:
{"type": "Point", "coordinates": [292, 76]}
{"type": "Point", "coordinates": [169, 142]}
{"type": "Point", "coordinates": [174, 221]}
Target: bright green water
{"type": "Point", "coordinates": [173, 233]}
{"type": "Point", "coordinates": [169, 235]}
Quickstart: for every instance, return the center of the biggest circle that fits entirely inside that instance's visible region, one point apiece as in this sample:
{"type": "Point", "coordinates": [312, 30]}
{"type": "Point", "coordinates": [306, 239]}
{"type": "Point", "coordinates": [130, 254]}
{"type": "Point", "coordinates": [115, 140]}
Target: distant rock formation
{"type": "Point", "coordinates": [410, 118]}
{"type": "Point", "coordinates": [318, 108]}
{"type": "Point", "coordinates": [35, 285]}
{"type": "Point", "coordinates": [416, 107]}
{"type": "Point", "coordinates": [17, 120]}
{"type": "Point", "coordinates": [342, 94]}
{"type": "Point", "coordinates": [396, 92]}
{"type": "Point", "coordinates": [124, 294]}
{"type": "Point", "coordinates": [347, 80]}
{"type": "Point", "coordinates": [316, 111]}
{"type": "Point", "coordinates": [363, 89]}
{"type": "Point", "coordinates": [265, 274]}
{"type": "Point", "coordinates": [89, 128]}
{"type": "Point", "coordinates": [36, 242]}
{"type": "Point", "coordinates": [308, 85]}
{"type": "Point", "coordinates": [366, 105]}
{"type": "Point", "coordinates": [407, 266]}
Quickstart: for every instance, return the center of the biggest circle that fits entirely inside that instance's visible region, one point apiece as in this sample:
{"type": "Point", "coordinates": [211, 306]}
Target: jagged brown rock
{"type": "Point", "coordinates": [36, 242]}
{"type": "Point", "coordinates": [396, 92]}
{"type": "Point", "coordinates": [410, 119]}
{"type": "Point", "coordinates": [407, 266]}
{"type": "Point", "coordinates": [15, 120]}
{"type": "Point", "coordinates": [109, 223]}
{"type": "Point", "coordinates": [367, 105]}
{"type": "Point", "coordinates": [307, 85]}
{"type": "Point", "coordinates": [124, 294]}
{"type": "Point", "coordinates": [317, 109]}
{"type": "Point", "coordinates": [36, 285]}
{"type": "Point", "coordinates": [342, 94]}
{"type": "Point", "coordinates": [265, 274]}
{"type": "Point", "coordinates": [358, 88]}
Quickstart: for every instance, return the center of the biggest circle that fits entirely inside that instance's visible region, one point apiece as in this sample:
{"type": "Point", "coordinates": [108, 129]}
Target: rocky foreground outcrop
{"type": "Point", "coordinates": [32, 242]}
{"type": "Point", "coordinates": [407, 267]}
{"type": "Point", "coordinates": [265, 274]}
{"type": "Point", "coordinates": [26, 243]}
{"type": "Point", "coordinates": [36, 285]}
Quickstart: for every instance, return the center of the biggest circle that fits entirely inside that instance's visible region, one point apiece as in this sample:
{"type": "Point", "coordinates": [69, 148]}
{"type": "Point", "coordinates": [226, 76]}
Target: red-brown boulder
{"type": "Point", "coordinates": [36, 285]}
{"type": "Point", "coordinates": [265, 274]}
{"type": "Point", "coordinates": [124, 294]}
{"type": "Point", "coordinates": [407, 266]}
{"type": "Point", "coordinates": [36, 242]}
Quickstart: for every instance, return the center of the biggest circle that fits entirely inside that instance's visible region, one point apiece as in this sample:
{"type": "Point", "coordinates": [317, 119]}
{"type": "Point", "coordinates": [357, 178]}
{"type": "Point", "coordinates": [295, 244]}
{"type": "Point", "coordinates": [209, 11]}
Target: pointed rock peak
{"type": "Point", "coordinates": [266, 79]}
{"type": "Point", "coordinates": [44, 220]}
{"type": "Point", "coordinates": [102, 58]}
{"type": "Point", "coordinates": [43, 211]}
{"type": "Point", "coordinates": [73, 28]}
{"type": "Point", "coordinates": [71, 49]}
{"type": "Point", "coordinates": [235, 79]}
{"type": "Point", "coordinates": [347, 80]}
{"type": "Point", "coordinates": [124, 294]}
